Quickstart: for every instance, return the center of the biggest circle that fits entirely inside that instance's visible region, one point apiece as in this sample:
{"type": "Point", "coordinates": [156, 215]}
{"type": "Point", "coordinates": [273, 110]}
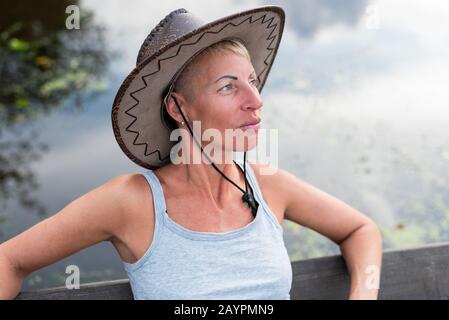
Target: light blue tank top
{"type": "Point", "coordinates": [247, 263]}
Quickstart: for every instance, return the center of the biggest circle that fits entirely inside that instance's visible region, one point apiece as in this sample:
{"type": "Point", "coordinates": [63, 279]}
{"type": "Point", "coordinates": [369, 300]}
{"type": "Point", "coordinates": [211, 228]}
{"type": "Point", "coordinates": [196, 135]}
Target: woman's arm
{"type": "Point", "coordinates": [362, 251]}
{"type": "Point", "coordinates": [10, 279]}
{"type": "Point", "coordinates": [357, 235]}
{"type": "Point", "coordinates": [92, 218]}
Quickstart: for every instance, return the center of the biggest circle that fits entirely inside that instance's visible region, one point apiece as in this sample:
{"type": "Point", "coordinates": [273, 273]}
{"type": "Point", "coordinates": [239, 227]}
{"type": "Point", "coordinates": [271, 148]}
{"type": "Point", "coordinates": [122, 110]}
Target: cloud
{"type": "Point", "coordinates": [306, 17]}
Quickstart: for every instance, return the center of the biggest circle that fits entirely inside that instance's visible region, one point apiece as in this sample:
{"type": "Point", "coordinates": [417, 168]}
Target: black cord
{"type": "Point", "coordinates": [247, 198]}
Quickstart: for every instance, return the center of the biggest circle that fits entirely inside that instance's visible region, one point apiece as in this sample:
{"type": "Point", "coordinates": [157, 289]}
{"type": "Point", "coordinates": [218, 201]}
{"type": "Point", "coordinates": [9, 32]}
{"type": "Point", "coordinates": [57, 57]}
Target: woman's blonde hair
{"type": "Point", "coordinates": [185, 79]}
{"type": "Point", "coordinates": [183, 84]}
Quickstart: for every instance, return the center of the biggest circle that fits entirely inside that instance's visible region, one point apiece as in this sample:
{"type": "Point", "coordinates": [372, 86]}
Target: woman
{"type": "Point", "coordinates": [207, 230]}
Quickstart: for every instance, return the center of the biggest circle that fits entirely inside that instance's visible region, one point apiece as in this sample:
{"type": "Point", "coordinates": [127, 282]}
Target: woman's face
{"type": "Point", "coordinates": [226, 97]}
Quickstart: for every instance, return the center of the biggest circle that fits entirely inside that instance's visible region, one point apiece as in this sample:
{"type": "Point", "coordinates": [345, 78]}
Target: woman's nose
{"type": "Point", "coordinates": [253, 98]}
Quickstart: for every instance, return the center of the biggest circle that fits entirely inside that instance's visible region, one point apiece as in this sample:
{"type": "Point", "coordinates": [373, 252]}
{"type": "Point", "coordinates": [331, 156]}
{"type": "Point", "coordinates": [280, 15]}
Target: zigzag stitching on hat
{"type": "Point", "coordinates": [137, 101]}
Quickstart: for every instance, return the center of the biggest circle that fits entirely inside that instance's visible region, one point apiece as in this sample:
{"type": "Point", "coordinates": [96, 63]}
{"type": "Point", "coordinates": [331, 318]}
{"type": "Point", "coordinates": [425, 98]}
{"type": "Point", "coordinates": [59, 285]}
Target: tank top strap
{"type": "Point", "coordinates": [258, 194]}
{"type": "Point", "coordinates": [158, 194]}
{"type": "Point", "coordinates": [159, 209]}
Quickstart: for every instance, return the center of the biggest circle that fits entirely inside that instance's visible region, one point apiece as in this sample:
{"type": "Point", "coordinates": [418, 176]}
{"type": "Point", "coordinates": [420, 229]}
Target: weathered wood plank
{"type": "Point", "coordinates": [104, 290]}
{"type": "Point", "coordinates": [415, 273]}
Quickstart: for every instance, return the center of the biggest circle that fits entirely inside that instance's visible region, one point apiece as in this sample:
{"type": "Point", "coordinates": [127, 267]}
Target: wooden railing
{"type": "Point", "coordinates": [417, 273]}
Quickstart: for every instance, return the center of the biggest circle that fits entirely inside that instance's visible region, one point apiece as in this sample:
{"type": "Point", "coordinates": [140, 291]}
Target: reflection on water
{"type": "Point", "coordinates": [43, 66]}
{"type": "Point", "coordinates": [361, 113]}
{"type": "Point", "coordinates": [43, 63]}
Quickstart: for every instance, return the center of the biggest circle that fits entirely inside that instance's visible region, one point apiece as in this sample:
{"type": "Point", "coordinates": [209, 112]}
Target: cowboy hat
{"type": "Point", "coordinates": [137, 112]}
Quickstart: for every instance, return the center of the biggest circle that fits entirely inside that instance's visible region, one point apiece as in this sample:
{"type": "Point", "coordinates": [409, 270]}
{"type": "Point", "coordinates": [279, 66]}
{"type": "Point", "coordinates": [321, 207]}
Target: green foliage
{"type": "Point", "coordinates": [42, 64]}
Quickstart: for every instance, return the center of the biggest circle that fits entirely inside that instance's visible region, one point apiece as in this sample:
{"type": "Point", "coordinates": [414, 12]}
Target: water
{"type": "Point", "coordinates": [358, 94]}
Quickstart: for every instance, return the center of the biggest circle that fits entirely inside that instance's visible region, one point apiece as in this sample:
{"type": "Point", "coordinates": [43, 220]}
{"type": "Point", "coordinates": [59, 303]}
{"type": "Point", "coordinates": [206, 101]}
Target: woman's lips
{"type": "Point", "coordinates": [254, 125]}
{"type": "Point", "coordinates": [251, 126]}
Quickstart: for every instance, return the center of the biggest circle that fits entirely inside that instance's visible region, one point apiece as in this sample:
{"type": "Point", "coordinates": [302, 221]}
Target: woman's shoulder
{"type": "Point", "coordinates": [131, 194]}
{"type": "Point", "coordinates": [136, 194]}
{"type": "Point", "coordinates": [272, 181]}
{"type": "Point", "coordinates": [130, 187]}
{"type": "Point", "coordinates": [269, 174]}
{"type": "Point", "coordinates": [276, 176]}
{"type": "Point", "coordinates": [136, 200]}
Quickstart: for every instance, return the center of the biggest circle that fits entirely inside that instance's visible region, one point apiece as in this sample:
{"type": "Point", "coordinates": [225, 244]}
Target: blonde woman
{"type": "Point", "coordinates": [207, 230]}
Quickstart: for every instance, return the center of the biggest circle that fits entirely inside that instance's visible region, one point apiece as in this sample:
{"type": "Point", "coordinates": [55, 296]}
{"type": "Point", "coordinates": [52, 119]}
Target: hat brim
{"type": "Point", "coordinates": [136, 113]}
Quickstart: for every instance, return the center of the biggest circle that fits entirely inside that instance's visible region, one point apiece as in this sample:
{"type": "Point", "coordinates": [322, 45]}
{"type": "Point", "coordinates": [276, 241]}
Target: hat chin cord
{"type": "Point", "coordinates": [247, 197]}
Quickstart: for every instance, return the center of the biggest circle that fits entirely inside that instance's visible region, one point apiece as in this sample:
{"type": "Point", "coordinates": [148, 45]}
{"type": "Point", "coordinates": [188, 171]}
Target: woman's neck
{"type": "Point", "coordinates": [205, 180]}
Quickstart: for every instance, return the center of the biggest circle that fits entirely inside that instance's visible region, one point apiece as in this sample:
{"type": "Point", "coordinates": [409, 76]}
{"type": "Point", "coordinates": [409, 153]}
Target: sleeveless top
{"type": "Point", "coordinates": [247, 263]}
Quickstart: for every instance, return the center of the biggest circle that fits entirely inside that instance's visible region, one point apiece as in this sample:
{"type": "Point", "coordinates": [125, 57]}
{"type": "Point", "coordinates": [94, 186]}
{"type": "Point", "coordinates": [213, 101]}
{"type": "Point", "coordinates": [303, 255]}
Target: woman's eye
{"type": "Point", "coordinates": [226, 86]}
{"type": "Point", "coordinates": [255, 82]}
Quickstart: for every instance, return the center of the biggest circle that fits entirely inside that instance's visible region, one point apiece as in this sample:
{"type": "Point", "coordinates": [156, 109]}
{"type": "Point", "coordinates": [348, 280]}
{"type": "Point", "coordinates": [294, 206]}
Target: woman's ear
{"type": "Point", "coordinates": [172, 108]}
